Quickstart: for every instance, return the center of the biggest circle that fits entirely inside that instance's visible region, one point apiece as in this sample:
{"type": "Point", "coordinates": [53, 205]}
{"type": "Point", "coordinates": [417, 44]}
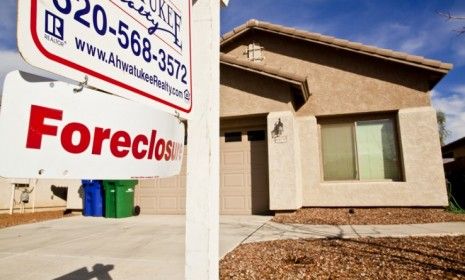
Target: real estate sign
{"type": "Point", "coordinates": [49, 131]}
{"type": "Point", "coordinates": [137, 49]}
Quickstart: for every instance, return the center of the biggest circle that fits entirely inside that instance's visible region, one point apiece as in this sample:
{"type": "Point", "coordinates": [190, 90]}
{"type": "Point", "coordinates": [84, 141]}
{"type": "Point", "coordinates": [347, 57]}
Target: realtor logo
{"type": "Point", "coordinates": [54, 25]}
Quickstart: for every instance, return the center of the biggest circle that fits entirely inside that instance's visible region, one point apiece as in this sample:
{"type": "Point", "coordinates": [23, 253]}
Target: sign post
{"type": "Point", "coordinates": [202, 197]}
{"type": "Point", "coordinates": [140, 50]}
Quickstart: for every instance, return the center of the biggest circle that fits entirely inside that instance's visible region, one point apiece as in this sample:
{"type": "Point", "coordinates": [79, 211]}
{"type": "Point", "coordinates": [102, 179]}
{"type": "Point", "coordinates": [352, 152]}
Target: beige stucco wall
{"type": "Point", "coordinates": [340, 81]}
{"type": "Point", "coordinates": [423, 162]}
{"type": "Point", "coordinates": [284, 163]}
{"type": "Point", "coordinates": [247, 93]}
{"type": "Point", "coordinates": [45, 198]}
{"type": "Point", "coordinates": [309, 156]}
{"type": "Point", "coordinates": [424, 183]}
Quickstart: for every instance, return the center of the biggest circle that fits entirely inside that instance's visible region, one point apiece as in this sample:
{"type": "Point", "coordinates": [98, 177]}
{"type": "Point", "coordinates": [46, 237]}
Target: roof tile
{"type": "Point", "coordinates": [432, 62]}
{"type": "Point", "coordinates": [327, 39]}
{"type": "Point", "coordinates": [269, 26]}
{"type": "Point", "coordinates": [341, 42]}
{"type": "Point", "coordinates": [312, 36]}
{"type": "Point", "coordinates": [384, 52]}
{"type": "Point", "coordinates": [252, 22]}
{"type": "Point", "coordinates": [239, 28]}
{"type": "Point", "coordinates": [227, 35]}
{"type": "Point", "coordinates": [354, 45]}
{"type": "Point", "coordinates": [415, 58]}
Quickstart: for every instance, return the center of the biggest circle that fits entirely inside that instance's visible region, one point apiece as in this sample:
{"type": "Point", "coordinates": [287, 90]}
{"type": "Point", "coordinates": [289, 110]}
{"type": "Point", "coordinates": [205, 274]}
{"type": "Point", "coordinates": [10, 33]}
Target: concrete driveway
{"type": "Point", "coordinates": [143, 247]}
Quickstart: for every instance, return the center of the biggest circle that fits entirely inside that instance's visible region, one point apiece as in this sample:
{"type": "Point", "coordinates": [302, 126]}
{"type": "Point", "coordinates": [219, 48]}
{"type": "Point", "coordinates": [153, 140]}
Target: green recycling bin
{"type": "Point", "coordinates": [109, 189]}
{"type": "Point", "coordinates": [119, 198]}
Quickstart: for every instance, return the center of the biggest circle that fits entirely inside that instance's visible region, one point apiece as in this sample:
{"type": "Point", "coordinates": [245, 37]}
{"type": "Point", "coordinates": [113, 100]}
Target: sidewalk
{"type": "Point", "coordinates": [276, 231]}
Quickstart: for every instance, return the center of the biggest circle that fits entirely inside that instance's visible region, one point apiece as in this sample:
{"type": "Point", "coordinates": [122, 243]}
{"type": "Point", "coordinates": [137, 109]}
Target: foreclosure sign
{"type": "Point", "coordinates": [137, 49]}
{"type": "Point", "coordinates": [48, 131]}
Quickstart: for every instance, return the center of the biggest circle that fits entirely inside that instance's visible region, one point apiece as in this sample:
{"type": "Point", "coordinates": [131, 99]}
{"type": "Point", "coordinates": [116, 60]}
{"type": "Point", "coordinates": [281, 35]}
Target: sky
{"type": "Point", "coordinates": [411, 26]}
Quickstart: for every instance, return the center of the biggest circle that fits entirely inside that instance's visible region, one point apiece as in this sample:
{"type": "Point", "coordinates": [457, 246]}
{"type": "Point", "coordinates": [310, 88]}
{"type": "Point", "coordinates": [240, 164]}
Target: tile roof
{"type": "Point", "coordinates": [453, 145]}
{"type": "Point", "coordinates": [402, 57]}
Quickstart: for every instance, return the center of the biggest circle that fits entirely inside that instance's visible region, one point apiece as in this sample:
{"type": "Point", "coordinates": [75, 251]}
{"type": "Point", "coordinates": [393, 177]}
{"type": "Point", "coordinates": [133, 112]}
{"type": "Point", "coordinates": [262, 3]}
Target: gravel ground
{"type": "Point", "coordinates": [368, 216]}
{"type": "Point", "coordinates": [362, 258]}
{"type": "Point", "coordinates": [7, 220]}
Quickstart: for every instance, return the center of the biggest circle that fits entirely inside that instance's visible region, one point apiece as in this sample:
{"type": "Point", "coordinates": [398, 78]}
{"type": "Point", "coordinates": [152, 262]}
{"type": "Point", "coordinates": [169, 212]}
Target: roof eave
{"type": "Point", "coordinates": [300, 82]}
{"type": "Point", "coordinates": [384, 54]}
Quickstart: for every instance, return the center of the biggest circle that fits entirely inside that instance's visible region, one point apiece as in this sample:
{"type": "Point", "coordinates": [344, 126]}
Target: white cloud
{"type": "Point", "coordinates": [386, 35]}
{"type": "Point", "coordinates": [428, 35]}
{"type": "Point", "coordinates": [454, 108]}
{"type": "Point", "coordinates": [414, 45]}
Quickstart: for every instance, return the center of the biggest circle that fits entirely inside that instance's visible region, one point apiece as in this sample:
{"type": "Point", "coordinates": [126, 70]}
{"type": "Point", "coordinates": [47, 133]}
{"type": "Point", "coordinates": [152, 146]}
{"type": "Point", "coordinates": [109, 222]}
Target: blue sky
{"type": "Point", "coordinates": [406, 25]}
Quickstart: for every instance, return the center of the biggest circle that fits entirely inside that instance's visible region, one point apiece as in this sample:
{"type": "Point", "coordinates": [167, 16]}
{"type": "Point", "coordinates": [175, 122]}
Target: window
{"type": "Point", "coordinates": [360, 150]}
{"type": "Point", "coordinates": [256, 135]}
{"type": "Point", "coordinates": [233, 136]}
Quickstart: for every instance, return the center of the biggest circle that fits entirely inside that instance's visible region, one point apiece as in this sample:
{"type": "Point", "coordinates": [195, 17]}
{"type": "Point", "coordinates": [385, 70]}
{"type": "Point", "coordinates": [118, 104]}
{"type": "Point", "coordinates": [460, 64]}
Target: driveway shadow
{"type": "Point", "coordinates": [100, 271]}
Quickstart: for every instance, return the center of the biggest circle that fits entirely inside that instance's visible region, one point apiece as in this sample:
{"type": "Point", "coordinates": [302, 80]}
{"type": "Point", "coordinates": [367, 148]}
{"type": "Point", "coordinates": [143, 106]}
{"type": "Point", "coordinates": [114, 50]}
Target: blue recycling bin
{"type": "Point", "coordinates": [93, 198]}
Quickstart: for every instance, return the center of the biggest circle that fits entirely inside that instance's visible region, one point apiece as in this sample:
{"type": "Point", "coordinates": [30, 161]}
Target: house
{"type": "Point", "coordinates": [42, 195]}
{"type": "Point", "coordinates": [454, 167]}
{"type": "Point", "coordinates": [309, 120]}
{"type": "Point", "coordinates": [454, 150]}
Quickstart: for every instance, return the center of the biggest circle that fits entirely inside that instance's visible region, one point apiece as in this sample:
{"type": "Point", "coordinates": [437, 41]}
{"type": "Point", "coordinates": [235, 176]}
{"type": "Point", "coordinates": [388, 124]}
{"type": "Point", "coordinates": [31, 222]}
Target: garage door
{"type": "Point", "coordinates": [243, 179]}
{"type": "Point", "coordinates": [163, 196]}
{"type": "Point", "coordinates": [244, 172]}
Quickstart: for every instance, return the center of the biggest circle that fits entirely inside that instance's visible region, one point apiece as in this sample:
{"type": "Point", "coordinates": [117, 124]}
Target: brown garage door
{"type": "Point", "coordinates": [243, 179]}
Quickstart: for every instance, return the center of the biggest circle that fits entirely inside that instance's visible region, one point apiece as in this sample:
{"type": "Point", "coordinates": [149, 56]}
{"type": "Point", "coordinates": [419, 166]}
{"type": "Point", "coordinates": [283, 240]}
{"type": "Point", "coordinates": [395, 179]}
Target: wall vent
{"type": "Point", "coordinates": [254, 52]}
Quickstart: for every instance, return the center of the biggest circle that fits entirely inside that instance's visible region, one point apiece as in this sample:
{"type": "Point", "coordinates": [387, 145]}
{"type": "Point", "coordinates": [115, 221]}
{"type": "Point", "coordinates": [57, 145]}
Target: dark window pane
{"type": "Point", "coordinates": [233, 136]}
{"type": "Point", "coordinates": [256, 135]}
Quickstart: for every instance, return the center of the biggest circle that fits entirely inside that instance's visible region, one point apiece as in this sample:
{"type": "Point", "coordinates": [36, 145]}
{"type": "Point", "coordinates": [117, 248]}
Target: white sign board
{"type": "Point", "coordinates": [48, 131]}
{"type": "Point", "coordinates": [137, 49]}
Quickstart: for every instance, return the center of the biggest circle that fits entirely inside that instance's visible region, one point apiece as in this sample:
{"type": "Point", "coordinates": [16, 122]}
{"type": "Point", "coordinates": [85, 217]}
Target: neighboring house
{"type": "Point", "coordinates": [309, 120]}
{"type": "Point", "coordinates": [454, 167]}
{"type": "Point", "coordinates": [44, 195]}
{"type": "Point", "coordinates": [454, 150]}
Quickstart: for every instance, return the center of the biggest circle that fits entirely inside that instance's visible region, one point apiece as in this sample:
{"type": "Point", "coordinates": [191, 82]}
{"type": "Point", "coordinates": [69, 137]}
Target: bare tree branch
{"type": "Point", "coordinates": [449, 16]}
{"type": "Point", "coordinates": [460, 31]}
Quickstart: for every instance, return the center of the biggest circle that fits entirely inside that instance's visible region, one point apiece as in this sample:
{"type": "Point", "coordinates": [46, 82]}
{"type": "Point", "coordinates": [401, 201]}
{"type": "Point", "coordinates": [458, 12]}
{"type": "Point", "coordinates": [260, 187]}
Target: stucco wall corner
{"type": "Point", "coordinates": [284, 174]}
{"type": "Point", "coordinates": [298, 165]}
{"type": "Point", "coordinates": [423, 168]}
{"type": "Point", "coordinates": [309, 157]}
